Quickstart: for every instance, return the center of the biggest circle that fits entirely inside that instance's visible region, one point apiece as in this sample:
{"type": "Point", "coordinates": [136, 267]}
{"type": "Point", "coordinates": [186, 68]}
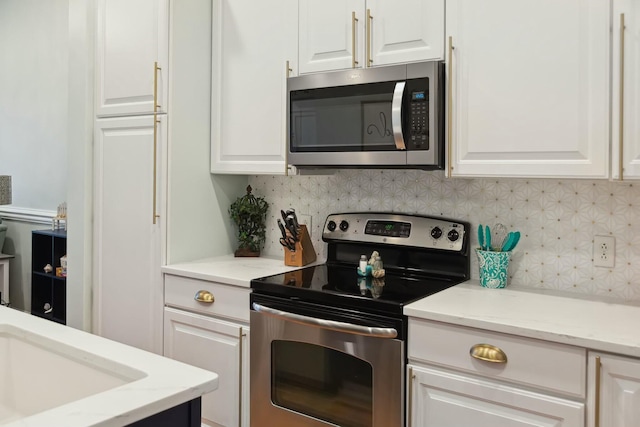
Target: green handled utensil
{"type": "Point", "coordinates": [512, 241]}
{"type": "Point", "coordinates": [487, 238]}
{"type": "Point", "coordinates": [481, 237]}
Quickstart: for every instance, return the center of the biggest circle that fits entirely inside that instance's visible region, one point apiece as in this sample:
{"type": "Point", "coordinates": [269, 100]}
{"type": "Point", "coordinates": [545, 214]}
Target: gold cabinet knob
{"type": "Point", "coordinates": [204, 296]}
{"type": "Point", "coordinates": [488, 353]}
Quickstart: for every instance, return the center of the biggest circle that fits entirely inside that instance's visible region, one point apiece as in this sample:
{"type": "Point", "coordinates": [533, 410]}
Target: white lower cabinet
{"type": "Point", "coordinates": [217, 346]}
{"type": "Point", "coordinates": [614, 390]}
{"type": "Point", "coordinates": [211, 339]}
{"type": "Point", "coordinates": [442, 398]}
{"type": "Point", "coordinates": [459, 376]}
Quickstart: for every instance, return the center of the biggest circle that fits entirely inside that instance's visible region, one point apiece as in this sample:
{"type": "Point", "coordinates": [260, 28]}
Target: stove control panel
{"type": "Point", "coordinates": [390, 228]}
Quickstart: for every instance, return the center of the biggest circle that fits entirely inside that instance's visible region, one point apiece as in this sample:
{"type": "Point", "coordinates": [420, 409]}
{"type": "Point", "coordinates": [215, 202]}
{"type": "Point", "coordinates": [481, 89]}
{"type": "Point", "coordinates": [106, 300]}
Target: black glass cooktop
{"type": "Point", "coordinates": [341, 286]}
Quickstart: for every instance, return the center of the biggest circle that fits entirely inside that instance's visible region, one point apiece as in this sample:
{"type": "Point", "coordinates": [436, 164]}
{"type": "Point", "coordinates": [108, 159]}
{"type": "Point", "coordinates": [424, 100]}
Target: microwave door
{"type": "Point", "coordinates": [344, 126]}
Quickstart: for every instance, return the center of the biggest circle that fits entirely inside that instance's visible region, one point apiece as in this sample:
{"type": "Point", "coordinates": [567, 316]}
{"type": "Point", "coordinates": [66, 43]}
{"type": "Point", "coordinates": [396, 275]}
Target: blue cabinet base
{"type": "Point", "coordinates": [186, 415]}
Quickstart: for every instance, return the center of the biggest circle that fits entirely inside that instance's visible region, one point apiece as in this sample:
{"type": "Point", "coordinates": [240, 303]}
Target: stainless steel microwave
{"type": "Point", "coordinates": [385, 117]}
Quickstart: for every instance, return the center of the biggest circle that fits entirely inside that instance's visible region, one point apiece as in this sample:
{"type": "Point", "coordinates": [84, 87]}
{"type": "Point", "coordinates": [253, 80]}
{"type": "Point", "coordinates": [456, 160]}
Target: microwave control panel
{"type": "Point", "coordinates": [418, 120]}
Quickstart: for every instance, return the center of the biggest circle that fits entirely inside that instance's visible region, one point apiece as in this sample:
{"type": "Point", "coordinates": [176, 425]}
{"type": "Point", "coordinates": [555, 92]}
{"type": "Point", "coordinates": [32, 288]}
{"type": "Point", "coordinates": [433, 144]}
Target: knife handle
{"type": "Point", "coordinates": [282, 230]}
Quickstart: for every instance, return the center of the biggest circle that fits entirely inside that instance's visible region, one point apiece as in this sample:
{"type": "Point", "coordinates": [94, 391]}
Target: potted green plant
{"type": "Point", "coordinates": [249, 213]}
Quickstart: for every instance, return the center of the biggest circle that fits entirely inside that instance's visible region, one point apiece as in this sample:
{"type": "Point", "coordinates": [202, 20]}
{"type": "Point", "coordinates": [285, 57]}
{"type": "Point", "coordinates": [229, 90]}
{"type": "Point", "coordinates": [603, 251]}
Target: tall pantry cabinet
{"type": "Point", "coordinates": [130, 139]}
{"type": "Point", "coordinates": [151, 184]}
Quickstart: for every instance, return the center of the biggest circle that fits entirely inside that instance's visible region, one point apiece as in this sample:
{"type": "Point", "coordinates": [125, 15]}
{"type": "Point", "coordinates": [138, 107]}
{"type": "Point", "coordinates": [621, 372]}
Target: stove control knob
{"type": "Point", "coordinates": [453, 235]}
{"type": "Point", "coordinates": [344, 225]}
{"type": "Point", "coordinates": [436, 232]}
{"type": "Point", "coordinates": [331, 225]}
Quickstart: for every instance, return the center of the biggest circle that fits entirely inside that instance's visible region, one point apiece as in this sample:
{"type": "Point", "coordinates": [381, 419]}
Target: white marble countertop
{"type": "Point", "coordinates": [231, 270]}
{"type": "Point", "coordinates": [165, 383]}
{"type": "Point", "coordinates": [570, 318]}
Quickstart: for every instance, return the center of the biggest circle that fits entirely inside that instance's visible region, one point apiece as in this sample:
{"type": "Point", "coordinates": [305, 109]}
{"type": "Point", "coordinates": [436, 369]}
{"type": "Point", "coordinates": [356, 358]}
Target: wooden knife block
{"type": "Point", "coordinates": [304, 253]}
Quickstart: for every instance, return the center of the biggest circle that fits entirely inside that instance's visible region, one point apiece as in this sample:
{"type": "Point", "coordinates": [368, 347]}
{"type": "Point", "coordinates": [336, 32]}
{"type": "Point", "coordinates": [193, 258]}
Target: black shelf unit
{"type": "Point", "coordinates": [48, 292]}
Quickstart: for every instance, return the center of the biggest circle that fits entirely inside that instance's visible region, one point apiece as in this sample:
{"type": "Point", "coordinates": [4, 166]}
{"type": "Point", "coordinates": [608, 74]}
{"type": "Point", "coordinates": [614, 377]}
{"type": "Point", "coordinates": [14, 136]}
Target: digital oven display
{"type": "Point", "coordinates": [388, 228]}
{"type": "Point", "coordinates": [418, 96]}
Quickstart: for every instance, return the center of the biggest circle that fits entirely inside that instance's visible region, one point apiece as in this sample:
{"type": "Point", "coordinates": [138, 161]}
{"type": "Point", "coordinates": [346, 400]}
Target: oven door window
{"type": "Point", "coordinates": [322, 383]}
{"type": "Point", "coordinates": [342, 119]}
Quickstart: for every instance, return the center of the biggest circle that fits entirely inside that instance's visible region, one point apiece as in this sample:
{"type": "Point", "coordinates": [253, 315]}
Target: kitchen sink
{"type": "Point", "coordinates": [38, 373]}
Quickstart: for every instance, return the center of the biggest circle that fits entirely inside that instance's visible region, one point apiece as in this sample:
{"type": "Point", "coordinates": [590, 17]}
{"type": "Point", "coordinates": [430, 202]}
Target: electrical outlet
{"type": "Point", "coordinates": [306, 220]}
{"type": "Point", "coordinates": [604, 250]}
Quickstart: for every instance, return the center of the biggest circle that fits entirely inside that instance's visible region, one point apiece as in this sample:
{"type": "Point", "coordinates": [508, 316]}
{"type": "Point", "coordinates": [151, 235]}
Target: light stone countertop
{"type": "Point", "coordinates": [571, 318]}
{"type": "Point", "coordinates": [231, 270]}
{"type": "Point", "coordinates": [161, 383]}
{"type": "Point", "coordinates": [586, 321]}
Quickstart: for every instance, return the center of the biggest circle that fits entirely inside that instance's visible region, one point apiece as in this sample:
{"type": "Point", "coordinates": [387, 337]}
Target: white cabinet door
{"type": "Point", "coordinates": [131, 36]}
{"type": "Point", "coordinates": [406, 31]}
{"type": "Point", "coordinates": [439, 398]}
{"type": "Point", "coordinates": [619, 390]}
{"type": "Point", "coordinates": [127, 243]}
{"type": "Point", "coordinates": [331, 34]}
{"type": "Point", "coordinates": [625, 126]}
{"type": "Point", "coordinates": [252, 43]}
{"type": "Point", "coordinates": [220, 347]}
{"type": "Point", "coordinates": [530, 87]}
{"type": "Point", "coordinates": [337, 34]}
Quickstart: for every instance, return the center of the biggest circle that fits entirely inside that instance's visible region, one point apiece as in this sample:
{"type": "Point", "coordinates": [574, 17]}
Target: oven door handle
{"type": "Point", "coordinates": [396, 115]}
{"type": "Point", "coordinates": [331, 325]}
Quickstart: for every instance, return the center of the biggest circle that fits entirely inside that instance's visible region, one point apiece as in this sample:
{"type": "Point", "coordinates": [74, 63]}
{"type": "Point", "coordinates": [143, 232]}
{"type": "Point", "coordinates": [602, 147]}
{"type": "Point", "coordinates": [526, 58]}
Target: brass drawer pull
{"type": "Point", "coordinates": [488, 353]}
{"type": "Point", "coordinates": [204, 296]}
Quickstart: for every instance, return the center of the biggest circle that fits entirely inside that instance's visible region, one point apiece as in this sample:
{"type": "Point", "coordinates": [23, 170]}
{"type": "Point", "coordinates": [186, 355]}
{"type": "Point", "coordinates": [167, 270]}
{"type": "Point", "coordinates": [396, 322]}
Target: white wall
{"type": "Point", "coordinates": [33, 124]}
{"type": "Point", "coordinates": [33, 100]}
{"type": "Point", "coordinates": [198, 222]}
{"type": "Point", "coordinates": [80, 160]}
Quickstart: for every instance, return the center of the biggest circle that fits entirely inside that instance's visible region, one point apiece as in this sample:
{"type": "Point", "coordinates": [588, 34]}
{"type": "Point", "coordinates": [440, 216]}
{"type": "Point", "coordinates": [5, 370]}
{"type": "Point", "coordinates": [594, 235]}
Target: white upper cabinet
{"type": "Point", "coordinates": [340, 34]}
{"type": "Point", "coordinates": [405, 31]}
{"type": "Point", "coordinates": [330, 35]}
{"type": "Point", "coordinates": [132, 35]}
{"type": "Point", "coordinates": [625, 126]}
{"type": "Point", "coordinates": [253, 44]}
{"type": "Point", "coordinates": [529, 88]}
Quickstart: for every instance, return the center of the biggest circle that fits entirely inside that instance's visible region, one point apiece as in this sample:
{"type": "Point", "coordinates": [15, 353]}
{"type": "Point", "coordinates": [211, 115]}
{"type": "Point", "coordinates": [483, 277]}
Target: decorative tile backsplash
{"type": "Point", "coordinates": [557, 218]}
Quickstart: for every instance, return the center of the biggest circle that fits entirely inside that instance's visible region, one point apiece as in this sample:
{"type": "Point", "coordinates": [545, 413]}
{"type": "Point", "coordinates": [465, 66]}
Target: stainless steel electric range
{"type": "Point", "coordinates": [328, 344]}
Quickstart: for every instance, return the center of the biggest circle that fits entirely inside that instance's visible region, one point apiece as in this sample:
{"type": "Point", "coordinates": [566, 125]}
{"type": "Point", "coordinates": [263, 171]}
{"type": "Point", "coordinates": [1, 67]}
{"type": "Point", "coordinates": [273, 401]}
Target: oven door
{"type": "Point", "coordinates": [309, 371]}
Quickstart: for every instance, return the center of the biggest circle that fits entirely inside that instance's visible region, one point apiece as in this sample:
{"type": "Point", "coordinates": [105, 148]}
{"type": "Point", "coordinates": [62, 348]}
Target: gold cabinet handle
{"type": "Point", "coordinates": [354, 24]}
{"type": "Point", "coordinates": [204, 296]}
{"type": "Point", "coordinates": [156, 106]}
{"type": "Point", "coordinates": [241, 336]}
{"type": "Point", "coordinates": [488, 353]}
{"type": "Point", "coordinates": [155, 167]}
{"type": "Point", "coordinates": [412, 377]}
{"type": "Point", "coordinates": [369, 52]}
{"type": "Point", "coordinates": [621, 108]}
{"type": "Point", "coordinates": [288, 69]}
{"type": "Point", "coordinates": [450, 109]}
{"type": "Point", "coordinates": [596, 410]}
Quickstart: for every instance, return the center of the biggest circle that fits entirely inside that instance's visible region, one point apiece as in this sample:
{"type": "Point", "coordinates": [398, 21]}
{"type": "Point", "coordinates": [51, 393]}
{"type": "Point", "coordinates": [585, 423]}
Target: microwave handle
{"type": "Point", "coordinates": [331, 325]}
{"type": "Point", "coordinates": [396, 115]}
